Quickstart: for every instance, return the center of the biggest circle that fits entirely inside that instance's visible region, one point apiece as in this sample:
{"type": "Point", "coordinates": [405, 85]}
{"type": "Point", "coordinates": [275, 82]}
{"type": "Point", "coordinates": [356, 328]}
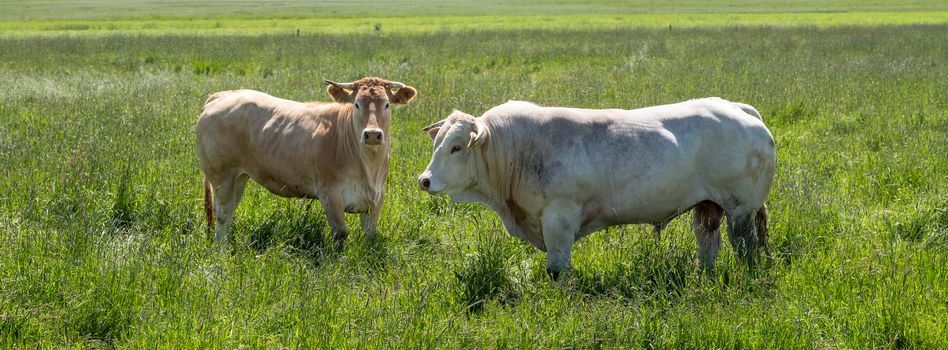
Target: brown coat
{"type": "Point", "coordinates": [336, 152]}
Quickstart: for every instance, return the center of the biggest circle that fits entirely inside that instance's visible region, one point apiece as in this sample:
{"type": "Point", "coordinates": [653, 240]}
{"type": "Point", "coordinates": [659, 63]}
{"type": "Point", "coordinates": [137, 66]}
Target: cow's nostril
{"type": "Point", "coordinates": [425, 183]}
{"type": "Point", "coordinates": [372, 137]}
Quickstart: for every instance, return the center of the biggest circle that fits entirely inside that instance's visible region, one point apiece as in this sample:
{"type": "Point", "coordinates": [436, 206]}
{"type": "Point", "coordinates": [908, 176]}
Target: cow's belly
{"type": "Point", "coordinates": [357, 197]}
{"type": "Point", "coordinates": [278, 185]}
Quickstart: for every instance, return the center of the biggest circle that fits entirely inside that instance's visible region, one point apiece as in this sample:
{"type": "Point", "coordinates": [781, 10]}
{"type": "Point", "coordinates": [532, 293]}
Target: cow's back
{"type": "Point", "coordinates": [227, 124]}
{"type": "Point", "coordinates": [283, 145]}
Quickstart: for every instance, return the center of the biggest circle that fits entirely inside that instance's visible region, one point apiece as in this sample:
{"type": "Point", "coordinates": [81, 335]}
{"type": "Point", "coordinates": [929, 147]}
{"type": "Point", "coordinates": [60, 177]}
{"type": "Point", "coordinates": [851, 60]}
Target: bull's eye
{"type": "Point", "coordinates": [386, 105]}
{"type": "Point", "coordinates": [357, 105]}
{"type": "Point", "coordinates": [455, 149]}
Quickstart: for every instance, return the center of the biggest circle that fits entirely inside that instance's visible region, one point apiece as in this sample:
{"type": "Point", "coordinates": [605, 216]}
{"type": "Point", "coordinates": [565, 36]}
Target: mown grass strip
{"type": "Point", "coordinates": [427, 24]}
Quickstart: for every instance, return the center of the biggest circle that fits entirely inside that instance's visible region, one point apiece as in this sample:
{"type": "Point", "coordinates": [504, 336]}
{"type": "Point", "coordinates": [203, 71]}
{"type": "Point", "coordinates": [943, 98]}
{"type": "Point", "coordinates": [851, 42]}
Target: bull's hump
{"type": "Point", "coordinates": [512, 107]}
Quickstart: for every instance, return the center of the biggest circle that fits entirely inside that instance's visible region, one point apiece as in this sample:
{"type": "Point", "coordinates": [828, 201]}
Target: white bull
{"type": "Point", "coordinates": [556, 174]}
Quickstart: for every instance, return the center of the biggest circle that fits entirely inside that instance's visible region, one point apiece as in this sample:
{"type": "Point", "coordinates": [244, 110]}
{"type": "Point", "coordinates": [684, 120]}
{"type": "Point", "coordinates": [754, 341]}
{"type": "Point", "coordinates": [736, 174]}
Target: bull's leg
{"type": "Point", "coordinates": [227, 195]}
{"type": "Point", "coordinates": [706, 224]}
{"type": "Point", "coordinates": [560, 221]}
{"type": "Point", "coordinates": [335, 213]}
{"type": "Point", "coordinates": [763, 232]}
{"type": "Point", "coordinates": [657, 230]}
{"type": "Point", "coordinates": [742, 234]}
{"type": "Point", "coordinates": [370, 220]}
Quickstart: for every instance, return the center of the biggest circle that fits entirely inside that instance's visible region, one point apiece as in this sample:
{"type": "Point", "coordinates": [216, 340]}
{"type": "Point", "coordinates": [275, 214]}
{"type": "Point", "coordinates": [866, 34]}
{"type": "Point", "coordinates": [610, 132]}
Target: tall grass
{"type": "Point", "coordinates": [104, 243]}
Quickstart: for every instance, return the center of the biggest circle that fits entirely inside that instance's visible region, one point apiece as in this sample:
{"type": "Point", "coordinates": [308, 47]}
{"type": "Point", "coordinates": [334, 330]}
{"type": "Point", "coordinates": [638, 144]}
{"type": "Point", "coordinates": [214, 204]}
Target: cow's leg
{"type": "Point", "coordinates": [335, 213]}
{"type": "Point", "coordinates": [706, 224]}
{"type": "Point", "coordinates": [227, 195]}
{"type": "Point", "coordinates": [370, 220]}
{"type": "Point", "coordinates": [742, 234]}
{"type": "Point", "coordinates": [560, 223]}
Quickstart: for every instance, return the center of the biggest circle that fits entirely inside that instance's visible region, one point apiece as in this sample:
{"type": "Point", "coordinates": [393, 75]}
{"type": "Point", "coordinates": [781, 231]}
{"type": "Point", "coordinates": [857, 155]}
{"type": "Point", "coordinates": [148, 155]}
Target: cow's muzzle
{"type": "Point", "coordinates": [372, 136]}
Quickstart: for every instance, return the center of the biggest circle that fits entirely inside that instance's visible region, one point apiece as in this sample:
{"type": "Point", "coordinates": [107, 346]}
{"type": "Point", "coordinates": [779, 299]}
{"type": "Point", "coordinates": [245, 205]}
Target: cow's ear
{"type": "Point", "coordinates": [479, 135]}
{"type": "Point", "coordinates": [433, 129]}
{"type": "Point", "coordinates": [404, 95]}
{"type": "Point", "coordinates": [339, 94]}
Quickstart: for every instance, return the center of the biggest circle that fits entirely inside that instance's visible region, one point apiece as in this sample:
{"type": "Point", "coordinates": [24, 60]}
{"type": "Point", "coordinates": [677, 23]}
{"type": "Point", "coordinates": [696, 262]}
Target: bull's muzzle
{"type": "Point", "coordinates": [372, 136]}
{"type": "Point", "coordinates": [425, 183]}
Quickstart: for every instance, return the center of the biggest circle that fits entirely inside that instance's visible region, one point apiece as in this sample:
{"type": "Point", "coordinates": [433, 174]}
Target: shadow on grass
{"type": "Point", "coordinates": [370, 252]}
{"type": "Point", "coordinates": [656, 271]}
{"type": "Point", "coordinates": [649, 273]}
{"type": "Point", "coordinates": [484, 275]}
{"type": "Point", "coordinates": [928, 227]}
{"type": "Point", "coordinates": [122, 213]}
{"type": "Point", "coordinates": [303, 233]}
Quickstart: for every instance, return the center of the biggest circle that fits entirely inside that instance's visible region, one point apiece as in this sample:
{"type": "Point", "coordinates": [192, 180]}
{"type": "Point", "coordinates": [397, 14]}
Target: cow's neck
{"type": "Point", "coordinates": [372, 161]}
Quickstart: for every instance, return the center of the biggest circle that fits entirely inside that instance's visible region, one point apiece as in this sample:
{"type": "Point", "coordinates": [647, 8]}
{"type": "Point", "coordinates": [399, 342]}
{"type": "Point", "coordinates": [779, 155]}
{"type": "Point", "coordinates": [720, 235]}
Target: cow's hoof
{"type": "Point", "coordinates": [557, 275]}
{"type": "Point", "coordinates": [339, 240]}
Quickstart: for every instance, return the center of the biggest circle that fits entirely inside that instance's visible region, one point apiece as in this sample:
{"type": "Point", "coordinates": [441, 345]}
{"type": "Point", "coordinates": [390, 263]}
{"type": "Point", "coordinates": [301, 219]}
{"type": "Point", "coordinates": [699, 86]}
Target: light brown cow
{"type": "Point", "coordinates": [337, 152]}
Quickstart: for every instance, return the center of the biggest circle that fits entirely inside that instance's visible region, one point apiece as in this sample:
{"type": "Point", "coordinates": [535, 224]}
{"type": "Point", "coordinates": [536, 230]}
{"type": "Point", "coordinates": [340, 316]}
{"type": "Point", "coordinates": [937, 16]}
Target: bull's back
{"type": "Point", "coordinates": [643, 164]}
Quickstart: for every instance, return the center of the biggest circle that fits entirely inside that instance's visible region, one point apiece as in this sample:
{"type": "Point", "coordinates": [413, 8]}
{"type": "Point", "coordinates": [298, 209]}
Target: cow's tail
{"type": "Point", "coordinates": [209, 204]}
{"type": "Point", "coordinates": [749, 110]}
{"type": "Point", "coordinates": [763, 233]}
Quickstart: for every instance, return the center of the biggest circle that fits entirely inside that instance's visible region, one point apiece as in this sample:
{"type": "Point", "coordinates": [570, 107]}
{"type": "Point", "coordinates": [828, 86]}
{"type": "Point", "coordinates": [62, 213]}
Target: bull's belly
{"type": "Point", "coordinates": [642, 210]}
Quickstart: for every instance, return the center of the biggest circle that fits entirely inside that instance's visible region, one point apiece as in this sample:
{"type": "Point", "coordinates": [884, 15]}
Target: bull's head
{"type": "Point", "coordinates": [372, 100]}
{"type": "Point", "coordinates": [451, 169]}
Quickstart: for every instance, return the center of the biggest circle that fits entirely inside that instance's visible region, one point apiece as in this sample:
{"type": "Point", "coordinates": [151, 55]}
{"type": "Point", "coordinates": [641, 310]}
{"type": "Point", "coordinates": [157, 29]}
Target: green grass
{"type": "Point", "coordinates": [103, 237]}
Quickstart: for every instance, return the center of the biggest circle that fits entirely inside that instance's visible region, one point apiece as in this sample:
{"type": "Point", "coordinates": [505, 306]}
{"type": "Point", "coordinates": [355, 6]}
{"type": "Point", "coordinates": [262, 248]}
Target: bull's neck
{"type": "Point", "coordinates": [497, 167]}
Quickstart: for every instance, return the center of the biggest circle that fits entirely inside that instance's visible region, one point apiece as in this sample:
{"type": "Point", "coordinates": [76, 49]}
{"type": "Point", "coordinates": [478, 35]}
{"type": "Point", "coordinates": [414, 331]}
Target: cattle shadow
{"type": "Point", "coordinates": [370, 253]}
{"type": "Point", "coordinates": [647, 274]}
{"type": "Point", "coordinates": [668, 272]}
{"type": "Point", "coordinates": [303, 233]}
{"type": "Point", "coordinates": [484, 276]}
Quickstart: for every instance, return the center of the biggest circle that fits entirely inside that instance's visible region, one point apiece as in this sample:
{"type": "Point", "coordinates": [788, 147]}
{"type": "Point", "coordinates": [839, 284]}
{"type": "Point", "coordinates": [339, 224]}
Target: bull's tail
{"type": "Point", "coordinates": [216, 95]}
{"type": "Point", "coordinates": [209, 204]}
{"type": "Point", "coordinates": [763, 232]}
{"type": "Point", "coordinates": [749, 110]}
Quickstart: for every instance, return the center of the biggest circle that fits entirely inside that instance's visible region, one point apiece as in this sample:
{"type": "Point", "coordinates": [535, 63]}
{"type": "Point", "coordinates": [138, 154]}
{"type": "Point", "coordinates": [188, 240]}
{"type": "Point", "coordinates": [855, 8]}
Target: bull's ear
{"type": "Point", "coordinates": [433, 129]}
{"type": "Point", "coordinates": [479, 135]}
{"type": "Point", "coordinates": [339, 94]}
{"type": "Point", "coordinates": [404, 95]}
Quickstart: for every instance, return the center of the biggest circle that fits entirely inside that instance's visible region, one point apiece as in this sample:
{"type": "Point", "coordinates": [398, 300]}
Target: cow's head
{"type": "Point", "coordinates": [451, 169]}
{"type": "Point", "coordinates": [373, 100]}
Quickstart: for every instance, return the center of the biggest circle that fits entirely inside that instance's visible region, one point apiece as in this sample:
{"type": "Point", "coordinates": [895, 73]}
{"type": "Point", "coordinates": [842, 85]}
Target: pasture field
{"type": "Point", "coordinates": [102, 240]}
{"type": "Point", "coordinates": [233, 25]}
{"type": "Point", "coordinates": [143, 9]}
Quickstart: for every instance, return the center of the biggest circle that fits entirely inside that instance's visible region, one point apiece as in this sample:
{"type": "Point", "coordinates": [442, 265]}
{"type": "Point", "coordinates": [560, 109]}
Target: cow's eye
{"type": "Point", "coordinates": [455, 149]}
{"type": "Point", "coordinates": [386, 105]}
{"type": "Point", "coordinates": [357, 105]}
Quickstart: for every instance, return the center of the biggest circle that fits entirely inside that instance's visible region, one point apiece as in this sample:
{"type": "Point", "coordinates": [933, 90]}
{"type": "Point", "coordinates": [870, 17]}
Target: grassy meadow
{"type": "Point", "coordinates": [103, 244]}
